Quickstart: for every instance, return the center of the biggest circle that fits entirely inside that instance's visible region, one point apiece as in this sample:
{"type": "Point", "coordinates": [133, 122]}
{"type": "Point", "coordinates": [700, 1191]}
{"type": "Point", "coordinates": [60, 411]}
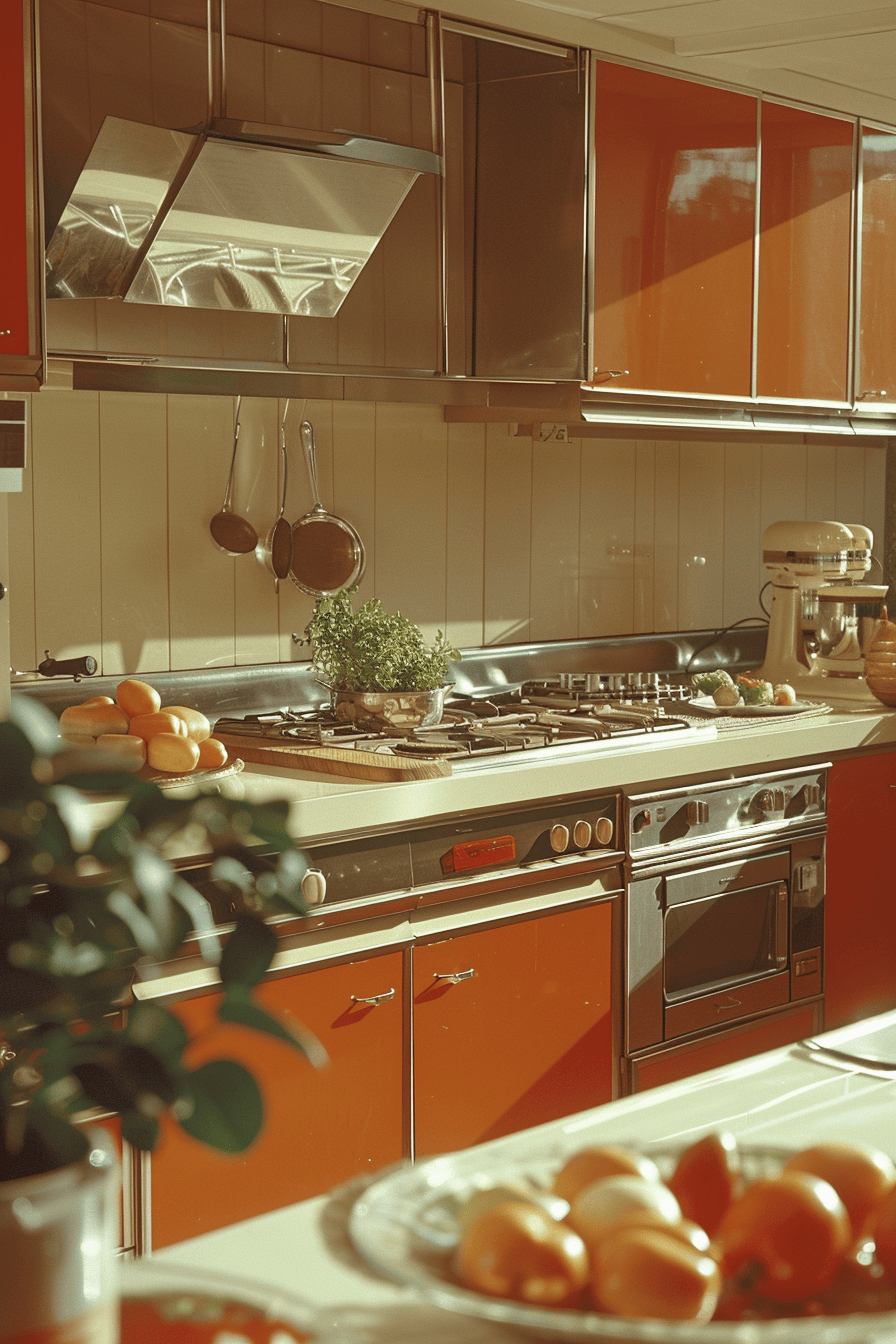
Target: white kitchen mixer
{"type": "Point", "coordinates": [831, 561]}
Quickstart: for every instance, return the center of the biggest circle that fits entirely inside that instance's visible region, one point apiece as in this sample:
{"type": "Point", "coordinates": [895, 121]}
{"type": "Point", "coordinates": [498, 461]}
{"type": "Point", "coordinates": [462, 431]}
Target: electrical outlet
{"type": "Point", "coordinates": [553, 433]}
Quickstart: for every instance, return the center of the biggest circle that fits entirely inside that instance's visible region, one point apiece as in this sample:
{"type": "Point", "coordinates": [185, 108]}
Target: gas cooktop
{"type": "Point", "coordinates": [578, 712]}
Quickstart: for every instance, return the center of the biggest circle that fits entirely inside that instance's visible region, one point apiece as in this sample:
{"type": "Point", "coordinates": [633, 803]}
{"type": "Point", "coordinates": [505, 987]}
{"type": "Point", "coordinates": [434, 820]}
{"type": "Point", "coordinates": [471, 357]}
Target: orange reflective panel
{"type": "Point", "coordinates": [675, 198]}
{"type": "Point", "coordinates": [804, 249]}
{"type": "Point", "coordinates": [876, 381]}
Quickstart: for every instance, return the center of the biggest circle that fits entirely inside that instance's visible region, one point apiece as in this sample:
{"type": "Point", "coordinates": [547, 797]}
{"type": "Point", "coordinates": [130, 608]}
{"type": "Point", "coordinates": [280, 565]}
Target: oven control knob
{"type": "Point", "coordinates": [559, 838]}
{"type": "Point", "coordinates": [812, 795]}
{"type": "Point", "coordinates": [314, 887]}
{"type": "Point", "coordinates": [603, 830]}
{"type": "Point", "coordinates": [581, 834]}
{"type": "Point", "coordinates": [769, 800]}
{"type": "Point", "coordinates": [697, 811]}
{"type": "Point", "coordinates": [639, 821]}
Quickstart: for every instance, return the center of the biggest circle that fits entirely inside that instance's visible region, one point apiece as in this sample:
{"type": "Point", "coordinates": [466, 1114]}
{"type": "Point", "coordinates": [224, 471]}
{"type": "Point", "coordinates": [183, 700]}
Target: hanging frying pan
{"type": "Point", "coordinates": [327, 553]}
{"type": "Point", "coordinates": [275, 553]}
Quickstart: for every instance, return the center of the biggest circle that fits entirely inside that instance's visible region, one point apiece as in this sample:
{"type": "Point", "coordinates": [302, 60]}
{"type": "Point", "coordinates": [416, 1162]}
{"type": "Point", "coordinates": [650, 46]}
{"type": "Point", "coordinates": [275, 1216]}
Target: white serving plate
{"type": "Point", "coordinates": [709, 706]}
{"type": "Point", "coordinates": [405, 1225]}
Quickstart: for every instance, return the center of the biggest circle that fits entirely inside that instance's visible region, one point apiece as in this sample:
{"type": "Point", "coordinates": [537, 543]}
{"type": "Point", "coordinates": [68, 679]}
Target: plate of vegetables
{"type": "Point", "coordinates": [708, 1243]}
{"type": "Point", "coordinates": [717, 692]}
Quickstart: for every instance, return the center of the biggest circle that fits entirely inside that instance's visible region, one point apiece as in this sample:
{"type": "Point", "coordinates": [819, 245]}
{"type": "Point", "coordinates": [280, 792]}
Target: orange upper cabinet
{"type": "Point", "coordinates": [805, 214]}
{"type": "Point", "coordinates": [876, 362]}
{"type": "Point", "coordinates": [674, 222]}
{"type": "Point", "coordinates": [21, 359]}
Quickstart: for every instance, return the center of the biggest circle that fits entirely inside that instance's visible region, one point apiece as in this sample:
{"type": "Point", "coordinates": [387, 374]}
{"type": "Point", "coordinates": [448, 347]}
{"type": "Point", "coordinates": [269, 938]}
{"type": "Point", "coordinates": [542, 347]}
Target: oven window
{"type": "Point", "coordinates": [721, 940]}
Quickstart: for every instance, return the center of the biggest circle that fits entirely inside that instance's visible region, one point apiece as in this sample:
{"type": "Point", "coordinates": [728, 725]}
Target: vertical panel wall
{"type": "Point", "coordinates": [480, 531]}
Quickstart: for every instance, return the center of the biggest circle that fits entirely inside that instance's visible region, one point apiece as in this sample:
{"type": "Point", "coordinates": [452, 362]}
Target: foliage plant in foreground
{"type": "Point", "coordinates": [81, 912]}
{"type": "Point", "coordinates": [373, 650]}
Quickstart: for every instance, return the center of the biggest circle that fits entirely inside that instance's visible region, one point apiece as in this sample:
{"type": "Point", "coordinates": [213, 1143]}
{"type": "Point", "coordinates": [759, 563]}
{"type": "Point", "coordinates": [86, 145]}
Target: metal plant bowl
{"type": "Point", "coordinates": [389, 711]}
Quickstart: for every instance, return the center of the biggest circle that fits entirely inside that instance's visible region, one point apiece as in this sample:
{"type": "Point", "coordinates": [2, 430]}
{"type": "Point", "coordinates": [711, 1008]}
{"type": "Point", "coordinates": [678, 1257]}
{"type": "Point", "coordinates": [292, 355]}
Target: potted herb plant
{"type": "Point", "coordinates": [81, 906]}
{"type": "Point", "coordinates": [377, 665]}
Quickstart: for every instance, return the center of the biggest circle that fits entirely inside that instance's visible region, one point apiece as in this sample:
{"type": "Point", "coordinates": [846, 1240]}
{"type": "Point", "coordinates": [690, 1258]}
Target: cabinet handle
{"type": "Point", "coordinates": [455, 977]}
{"type": "Point", "coordinates": [374, 999]}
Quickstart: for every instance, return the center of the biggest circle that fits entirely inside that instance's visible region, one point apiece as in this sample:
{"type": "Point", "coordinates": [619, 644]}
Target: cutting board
{"type": "Point", "coordinates": [344, 761]}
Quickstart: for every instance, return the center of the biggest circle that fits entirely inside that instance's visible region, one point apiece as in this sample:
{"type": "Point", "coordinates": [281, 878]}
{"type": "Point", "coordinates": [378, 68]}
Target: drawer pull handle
{"type": "Point", "coordinates": [455, 977]}
{"type": "Point", "coordinates": [725, 1005]}
{"type": "Point", "coordinates": [374, 999]}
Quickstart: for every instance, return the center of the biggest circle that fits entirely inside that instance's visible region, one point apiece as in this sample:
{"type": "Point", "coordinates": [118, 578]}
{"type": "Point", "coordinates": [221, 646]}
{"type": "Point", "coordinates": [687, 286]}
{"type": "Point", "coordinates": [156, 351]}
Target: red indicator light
{"type": "Point", "coordinates": [479, 854]}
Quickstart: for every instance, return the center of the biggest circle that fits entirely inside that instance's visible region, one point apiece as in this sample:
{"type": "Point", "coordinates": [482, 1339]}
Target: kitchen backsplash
{"type": "Point", "coordinates": [478, 530]}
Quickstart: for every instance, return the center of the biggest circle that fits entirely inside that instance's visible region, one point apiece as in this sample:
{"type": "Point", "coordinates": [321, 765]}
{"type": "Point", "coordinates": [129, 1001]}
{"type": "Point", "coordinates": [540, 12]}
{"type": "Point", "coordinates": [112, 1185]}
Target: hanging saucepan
{"type": "Point", "coordinates": [275, 553]}
{"type": "Point", "coordinates": [327, 553]}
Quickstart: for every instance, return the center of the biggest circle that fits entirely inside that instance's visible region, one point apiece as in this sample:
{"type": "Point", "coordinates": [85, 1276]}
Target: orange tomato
{"type": "Point", "coordinates": [593, 1164]}
{"type": "Point", "coordinates": [707, 1179]}
{"type": "Point", "coordinates": [516, 1250]}
{"type": "Point", "coordinates": [788, 1233]}
{"type": "Point", "coordinates": [596, 1208]}
{"type": "Point", "coordinates": [683, 1230]}
{"type": "Point", "coordinates": [860, 1175]}
{"type": "Point", "coordinates": [642, 1272]}
{"type": "Point", "coordinates": [137, 697]}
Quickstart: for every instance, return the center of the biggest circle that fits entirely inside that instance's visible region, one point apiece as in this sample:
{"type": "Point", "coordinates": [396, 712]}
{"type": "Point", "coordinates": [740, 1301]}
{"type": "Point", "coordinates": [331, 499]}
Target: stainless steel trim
{"type": "Point", "coordinates": [590, 213]}
{"type": "Point", "coordinates": [757, 208]}
{"type": "Point", "coordinates": [855, 261]}
{"type": "Point", "coordinates": [858, 208]}
{"type": "Point", "coordinates": [508, 39]}
{"type": "Point", "coordinates": [436, 61]}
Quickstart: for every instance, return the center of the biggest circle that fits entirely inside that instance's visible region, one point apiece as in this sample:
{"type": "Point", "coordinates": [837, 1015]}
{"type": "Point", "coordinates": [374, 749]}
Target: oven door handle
{"type": "Point", "coordinates": [782, 924]}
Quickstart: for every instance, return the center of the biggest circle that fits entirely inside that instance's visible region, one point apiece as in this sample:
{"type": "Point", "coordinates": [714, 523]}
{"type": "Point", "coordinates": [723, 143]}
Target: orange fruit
{"type": "Point", "coordinates": [641, 1272]}
{"type": "Point", "coordinates": [882, 1228]}
{"type": "Point", "coordinates": [212, 754]}
{"type": "Point", "coordinates": [593, 1164]}
{"type": "Point", "coordinates": [137, 697]}
{"type": "Point", "coordinates": [172, 752]}
{"type": "Point", "coordinates": [707, 1178]}
{"type": "Point", "coordinates": [860, 1175]}
{"type": "Point", "coordinates": [198, 726]}
{"type": "Point", "coordinates": [786, 1234]}
{"type": "Point", "coordinates": [147, 725]}
{"type": "Point", "coordinates": [515, 1250]}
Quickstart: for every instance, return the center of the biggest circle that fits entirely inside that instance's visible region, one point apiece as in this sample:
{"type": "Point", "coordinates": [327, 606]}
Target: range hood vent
{"type": "Point", "coordinates": [235, 216]}
{"type": "Point", "coordinates": [736, 418]}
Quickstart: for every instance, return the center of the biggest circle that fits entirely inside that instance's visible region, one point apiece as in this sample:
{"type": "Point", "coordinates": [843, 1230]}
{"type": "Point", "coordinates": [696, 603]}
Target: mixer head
{"type": "Point", "coordinates": [801, 554]}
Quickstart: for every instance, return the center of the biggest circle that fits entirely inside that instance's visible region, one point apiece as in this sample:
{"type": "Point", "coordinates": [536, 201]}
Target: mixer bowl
{"type": "Point", "coordinates": [849, 616]}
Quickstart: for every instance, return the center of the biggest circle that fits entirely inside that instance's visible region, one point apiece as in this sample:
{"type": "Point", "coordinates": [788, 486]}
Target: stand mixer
{"type": "Point", "coordinates": [830, 561]}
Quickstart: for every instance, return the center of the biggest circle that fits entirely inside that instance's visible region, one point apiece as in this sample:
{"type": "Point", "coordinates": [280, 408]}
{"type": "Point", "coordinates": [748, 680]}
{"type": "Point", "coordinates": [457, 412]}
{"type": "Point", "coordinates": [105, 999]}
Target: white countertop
{"type": "Point", "coordinates": [325, 806]}
{"type": "Point", "coordinates": [785, 1097]}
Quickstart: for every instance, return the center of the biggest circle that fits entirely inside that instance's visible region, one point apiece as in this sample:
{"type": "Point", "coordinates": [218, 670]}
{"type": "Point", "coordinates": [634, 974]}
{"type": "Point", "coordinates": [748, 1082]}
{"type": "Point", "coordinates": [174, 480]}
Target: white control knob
{"type": "Point", "coordinates": [559, 838]}
{"type": "Point", "coordinates": [314, 887]}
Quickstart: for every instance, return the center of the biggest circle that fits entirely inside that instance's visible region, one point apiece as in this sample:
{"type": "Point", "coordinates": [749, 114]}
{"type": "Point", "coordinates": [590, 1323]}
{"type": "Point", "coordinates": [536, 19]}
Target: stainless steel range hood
{"type": "Point", "coordinates": [235, 216]}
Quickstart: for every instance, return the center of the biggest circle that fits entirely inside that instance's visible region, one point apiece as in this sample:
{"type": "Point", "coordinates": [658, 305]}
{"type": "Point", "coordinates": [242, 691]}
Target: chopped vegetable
{"type": "Point", "coordinates": [754, 691]}
{"type": "Point", "coordinates": [785, 695]}
{"type": "Point", "coordinates": [707, 682]}
{"type": "Point", "coordinates": [727, 695]}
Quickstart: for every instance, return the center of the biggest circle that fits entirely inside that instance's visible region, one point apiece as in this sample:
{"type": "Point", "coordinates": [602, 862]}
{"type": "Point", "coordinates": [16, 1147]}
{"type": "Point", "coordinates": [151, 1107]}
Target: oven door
{"type": "Point", "coordinates": [707, 944]}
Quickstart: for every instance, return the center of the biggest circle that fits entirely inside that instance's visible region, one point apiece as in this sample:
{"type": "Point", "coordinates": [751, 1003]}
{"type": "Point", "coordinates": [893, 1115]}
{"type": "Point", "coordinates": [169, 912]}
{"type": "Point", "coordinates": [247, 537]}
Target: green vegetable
{"type": "Point", "coordinates": [373, 650]}
{"type": "Point", "coordinates": [755, 692]}
{"type": "Point", "coordinates": [707, 682]}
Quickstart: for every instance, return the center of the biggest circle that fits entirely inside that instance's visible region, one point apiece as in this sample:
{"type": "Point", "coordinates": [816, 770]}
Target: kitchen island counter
{"type": "Point", "coordinates": [787, 1097]}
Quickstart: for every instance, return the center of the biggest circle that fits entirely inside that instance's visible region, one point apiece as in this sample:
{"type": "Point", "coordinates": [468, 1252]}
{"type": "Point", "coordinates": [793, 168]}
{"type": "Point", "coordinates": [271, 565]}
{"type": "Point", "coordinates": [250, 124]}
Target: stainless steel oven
{"type": "Point", "coordinates": [725, 905]}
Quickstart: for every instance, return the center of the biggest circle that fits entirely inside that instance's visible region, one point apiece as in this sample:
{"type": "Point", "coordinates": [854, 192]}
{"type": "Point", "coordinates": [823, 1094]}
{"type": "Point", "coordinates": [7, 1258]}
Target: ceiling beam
{"type": "Point", "coordinates": [798, 31]}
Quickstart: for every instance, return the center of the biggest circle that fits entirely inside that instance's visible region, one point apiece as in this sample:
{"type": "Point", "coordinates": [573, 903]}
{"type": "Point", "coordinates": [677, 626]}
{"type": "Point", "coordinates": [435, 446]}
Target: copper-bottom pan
{"type": "Point", "coordinates": [327, 553]}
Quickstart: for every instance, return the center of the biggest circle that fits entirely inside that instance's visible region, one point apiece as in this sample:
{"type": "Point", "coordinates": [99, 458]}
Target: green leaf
{"type": "Point", "coordinates": [150, 1025]}
{"type": "Point", "coordinates": [141, 1131]}
{"type": "Point", "coordinates": [227, 1110]}
{"type": "Point", "coordinates": [248, 952]}
{"type": "Point", "coordinates": [238, 1006]}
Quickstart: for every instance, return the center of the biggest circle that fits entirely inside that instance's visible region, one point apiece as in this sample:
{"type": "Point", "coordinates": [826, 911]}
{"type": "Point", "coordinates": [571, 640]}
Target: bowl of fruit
{"type": "Point", "coordinates": [709, 1243]}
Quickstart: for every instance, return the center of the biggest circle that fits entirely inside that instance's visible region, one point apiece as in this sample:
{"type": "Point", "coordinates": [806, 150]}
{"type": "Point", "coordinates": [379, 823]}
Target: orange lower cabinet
{"type": "Point", "coordinates": [321, 1126]}
{"type": "Point", "coordinates": [860, 905]}
{"type": "Point", "coordinates": [513, 1026]}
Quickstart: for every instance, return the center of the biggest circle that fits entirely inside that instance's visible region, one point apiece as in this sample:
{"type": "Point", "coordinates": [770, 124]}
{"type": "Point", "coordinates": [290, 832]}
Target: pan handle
{"type": "Point", "coordinates": [306, 430]}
